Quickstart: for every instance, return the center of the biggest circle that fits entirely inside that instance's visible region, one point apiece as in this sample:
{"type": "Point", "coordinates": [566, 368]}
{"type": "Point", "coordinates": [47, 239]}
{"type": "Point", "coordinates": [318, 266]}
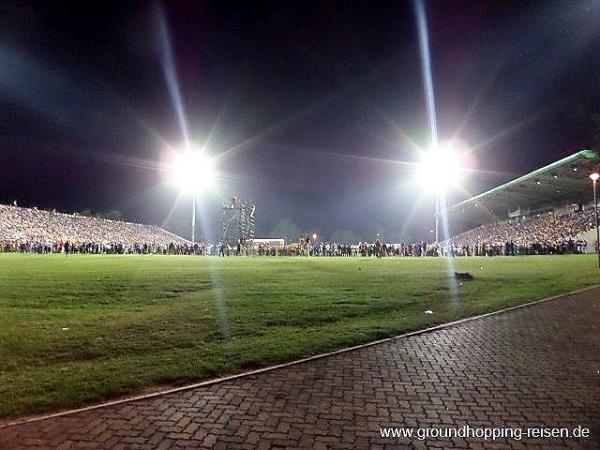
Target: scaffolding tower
{"type": "Point", "coordinates": [237, 220]}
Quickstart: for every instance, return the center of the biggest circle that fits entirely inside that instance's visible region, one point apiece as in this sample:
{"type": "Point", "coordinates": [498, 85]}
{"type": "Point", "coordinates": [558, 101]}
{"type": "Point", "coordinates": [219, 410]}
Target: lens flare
{"type": "Point", "coordinates": [442, 168]}
{"type": "Point", "coordinates": [193, 171]}
{"type": "Point", "coordinates": [426, 70]}
{"type": "Point", "coordinates": [167, 62]}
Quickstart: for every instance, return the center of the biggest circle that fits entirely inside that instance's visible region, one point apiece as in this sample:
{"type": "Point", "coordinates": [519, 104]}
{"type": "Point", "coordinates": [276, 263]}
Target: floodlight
{"type": "Point", "coordinates": [441, 168]}
{"type": "Point", "coordinates": [193, 171]}
{"type": "Point", "coordinates": [594, 176]}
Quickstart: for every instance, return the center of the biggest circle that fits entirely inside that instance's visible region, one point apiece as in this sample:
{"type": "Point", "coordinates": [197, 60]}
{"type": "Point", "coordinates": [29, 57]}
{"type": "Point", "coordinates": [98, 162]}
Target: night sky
{"type": "Point", "coordinates": [308, 105]}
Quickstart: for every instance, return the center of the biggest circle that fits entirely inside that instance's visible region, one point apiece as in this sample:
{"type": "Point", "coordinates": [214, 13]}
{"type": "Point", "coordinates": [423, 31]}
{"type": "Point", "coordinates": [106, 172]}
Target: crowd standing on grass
{"type": "Point", "coordinates": [29, 230]}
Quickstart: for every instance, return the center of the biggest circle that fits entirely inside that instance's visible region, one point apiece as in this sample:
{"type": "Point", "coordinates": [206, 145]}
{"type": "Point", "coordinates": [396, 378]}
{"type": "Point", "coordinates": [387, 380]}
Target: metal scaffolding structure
{"type": "Point", "coordinates": [237, 220]}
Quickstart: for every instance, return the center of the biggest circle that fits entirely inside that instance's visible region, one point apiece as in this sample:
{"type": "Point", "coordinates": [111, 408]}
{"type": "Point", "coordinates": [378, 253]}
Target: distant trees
{"type": "Point", "coordinates": [112, 215]}
{"type": "Point", "coordinates": [285, 229]}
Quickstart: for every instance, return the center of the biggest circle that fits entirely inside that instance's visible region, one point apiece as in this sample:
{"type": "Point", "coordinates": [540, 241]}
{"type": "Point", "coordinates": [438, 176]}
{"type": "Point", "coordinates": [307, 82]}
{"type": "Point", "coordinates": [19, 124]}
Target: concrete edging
{"type": "Point", "coordinates": [291, 363]}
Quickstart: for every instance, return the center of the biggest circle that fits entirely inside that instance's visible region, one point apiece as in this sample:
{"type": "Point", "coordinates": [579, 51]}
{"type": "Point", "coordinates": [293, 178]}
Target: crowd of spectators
{"type": "Point", "coordinates": [546, 233]}
{"type": "Point", "coordinates": [538, 234]}
{"type": "Point", "coordinates": [332, 248]}
{"type": "Point", "coordinates": [31, 230]}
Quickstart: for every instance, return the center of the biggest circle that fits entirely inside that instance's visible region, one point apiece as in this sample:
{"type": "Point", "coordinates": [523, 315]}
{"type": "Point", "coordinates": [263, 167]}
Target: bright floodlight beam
{"type": "Point", "coordinates": [193, 172]}
{"type": "Point", "coordinates": [440, 170]}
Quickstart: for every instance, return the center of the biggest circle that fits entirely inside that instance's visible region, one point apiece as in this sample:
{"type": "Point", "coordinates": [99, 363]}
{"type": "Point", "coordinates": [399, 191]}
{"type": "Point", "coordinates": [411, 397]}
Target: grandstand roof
{"type": "Point", "coordinates": [558, 184]}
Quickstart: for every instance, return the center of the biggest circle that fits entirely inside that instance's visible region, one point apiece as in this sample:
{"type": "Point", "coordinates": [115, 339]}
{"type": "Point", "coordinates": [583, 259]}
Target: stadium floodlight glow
{"type": "Point", "coordinates": [193, 171]}
{"type": "Point", "coordinates": [441, 168]}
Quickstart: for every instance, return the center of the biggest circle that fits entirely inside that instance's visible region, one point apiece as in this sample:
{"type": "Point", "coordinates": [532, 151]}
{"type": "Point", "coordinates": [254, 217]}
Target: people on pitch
{"type": "Point", "coordinates": [30, 230]}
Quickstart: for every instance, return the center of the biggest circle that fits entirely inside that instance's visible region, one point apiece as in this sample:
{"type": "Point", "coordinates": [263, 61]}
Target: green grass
{"type": "Point", "coordinates": [136, 322]}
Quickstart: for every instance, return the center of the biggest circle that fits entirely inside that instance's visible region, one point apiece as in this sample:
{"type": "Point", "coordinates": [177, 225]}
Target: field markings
{"type": "Point", "coordinates": [288, 364]}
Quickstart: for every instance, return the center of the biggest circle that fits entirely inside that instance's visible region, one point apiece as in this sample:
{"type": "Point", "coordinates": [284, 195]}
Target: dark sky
{"type": "Point", "coordinates": [308, 103]}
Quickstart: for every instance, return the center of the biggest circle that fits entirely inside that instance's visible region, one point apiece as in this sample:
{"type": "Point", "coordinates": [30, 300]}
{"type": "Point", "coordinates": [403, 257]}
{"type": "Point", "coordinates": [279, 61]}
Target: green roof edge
{"type": "Point", "coordinates": [588, 154]}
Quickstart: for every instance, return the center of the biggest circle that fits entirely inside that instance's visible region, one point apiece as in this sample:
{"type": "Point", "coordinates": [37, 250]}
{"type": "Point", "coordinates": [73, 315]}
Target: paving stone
{"type": "Point", "coordinates": [525, 368]}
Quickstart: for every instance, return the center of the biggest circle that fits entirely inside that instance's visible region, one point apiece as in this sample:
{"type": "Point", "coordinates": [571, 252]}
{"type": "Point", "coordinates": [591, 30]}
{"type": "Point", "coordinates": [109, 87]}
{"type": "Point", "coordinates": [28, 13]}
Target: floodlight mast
{"type": "Point", "coordinates": [193, 218]}
{"type": "Point", "coordinates": [437, 215]}
{"type": "Point", "coordinates": [193, 171]}
{"type": "Point", "coordinates": [444, 163]}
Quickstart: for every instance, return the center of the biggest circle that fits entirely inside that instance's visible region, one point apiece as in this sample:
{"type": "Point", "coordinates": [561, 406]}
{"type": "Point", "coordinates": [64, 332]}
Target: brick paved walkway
{"type": "Point", "coordinates": [532, 366]}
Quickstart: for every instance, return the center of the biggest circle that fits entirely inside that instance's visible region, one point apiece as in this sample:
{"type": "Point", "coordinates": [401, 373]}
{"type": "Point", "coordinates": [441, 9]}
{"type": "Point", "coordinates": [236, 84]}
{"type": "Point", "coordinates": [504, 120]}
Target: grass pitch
{"type": "Point", "coordinates": [80, 329]}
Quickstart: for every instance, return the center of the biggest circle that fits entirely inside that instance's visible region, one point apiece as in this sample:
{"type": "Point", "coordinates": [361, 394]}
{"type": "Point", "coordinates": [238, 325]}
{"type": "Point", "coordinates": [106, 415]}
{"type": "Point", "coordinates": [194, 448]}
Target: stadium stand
{"type": "Point", "coordinates": [548, 211]}
{"type": "Point", "coordinates": [38, 231]}
{"type": "Point", "coordinates": [558, 185]}
{"type": "Point", "coordinates": [541, 234]}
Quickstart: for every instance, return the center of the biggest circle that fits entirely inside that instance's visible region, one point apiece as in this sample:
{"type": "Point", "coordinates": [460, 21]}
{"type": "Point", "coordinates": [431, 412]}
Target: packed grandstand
{"type": "Point", "coordinates": [547, 211]}
{"type": "Point", "coordinates": [546, 233]}
{"type": "Point", "coordinates": [31, 230]}
{"type": "Point", "coordinates": [544, 212]}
